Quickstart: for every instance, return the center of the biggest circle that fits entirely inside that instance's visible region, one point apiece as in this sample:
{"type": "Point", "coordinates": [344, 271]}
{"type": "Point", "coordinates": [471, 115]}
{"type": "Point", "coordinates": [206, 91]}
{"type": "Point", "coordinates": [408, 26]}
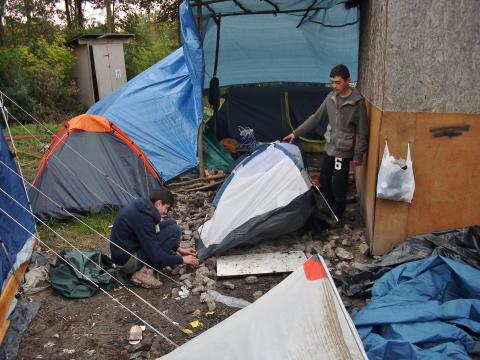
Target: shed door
{"type": "Point", "coordinates": [109, 67]}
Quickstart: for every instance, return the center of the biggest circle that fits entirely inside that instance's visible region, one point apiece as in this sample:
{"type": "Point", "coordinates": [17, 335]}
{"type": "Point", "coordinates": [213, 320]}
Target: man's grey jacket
{"type": "Point", "coordinates": [347, 131]}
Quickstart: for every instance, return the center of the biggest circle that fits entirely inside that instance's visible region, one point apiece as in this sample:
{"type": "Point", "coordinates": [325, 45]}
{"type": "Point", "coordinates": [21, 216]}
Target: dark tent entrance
{"type": "Point", "coordinates": [89, 165]}
{"type": "Point", "coordinates": [272, 111]}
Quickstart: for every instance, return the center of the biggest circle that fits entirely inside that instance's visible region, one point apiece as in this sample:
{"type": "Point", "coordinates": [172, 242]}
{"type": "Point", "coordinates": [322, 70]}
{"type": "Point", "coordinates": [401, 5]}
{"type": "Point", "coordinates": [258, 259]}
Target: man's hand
{"type": "Point", "coordinates": [187, 251]}
{"type": "Point", "coordinates": [290, 137]}
{"type": "Point", "coordinates": [190, 260]}
{"type": "Point", "coordinates": [357, 162]}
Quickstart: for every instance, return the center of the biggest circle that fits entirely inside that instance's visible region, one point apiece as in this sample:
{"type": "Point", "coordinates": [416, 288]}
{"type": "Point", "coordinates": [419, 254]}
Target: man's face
{"type": "Point", "coordinates": [162, 208]}
{"type": "Point", "coordinates": [339, 84]}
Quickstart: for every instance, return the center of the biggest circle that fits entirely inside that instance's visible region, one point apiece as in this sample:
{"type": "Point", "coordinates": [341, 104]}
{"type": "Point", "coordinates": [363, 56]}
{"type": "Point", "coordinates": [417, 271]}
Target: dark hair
{"type": "Point", "coordinates": [340, 70]}
{"type": "Point", "coordinates": [162, 194]}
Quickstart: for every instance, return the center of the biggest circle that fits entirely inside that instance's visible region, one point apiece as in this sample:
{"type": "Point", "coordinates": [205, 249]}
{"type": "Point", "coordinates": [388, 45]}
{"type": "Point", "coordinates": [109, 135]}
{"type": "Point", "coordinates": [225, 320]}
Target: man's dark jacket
{"type": "Point", "coordinates": [136, 228]}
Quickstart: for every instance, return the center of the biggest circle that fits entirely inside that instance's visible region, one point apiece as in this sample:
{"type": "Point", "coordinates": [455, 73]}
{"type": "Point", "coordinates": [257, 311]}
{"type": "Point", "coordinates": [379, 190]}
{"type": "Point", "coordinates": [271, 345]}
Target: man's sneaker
{"type": "Point", "coordinates": [145, 278]}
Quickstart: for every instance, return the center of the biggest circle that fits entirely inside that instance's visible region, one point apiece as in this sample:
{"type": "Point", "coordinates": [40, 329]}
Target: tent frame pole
{"type": "Point", "coordinates": [201, 161]}
{"type": "Point", "coordinates": [218, 21]}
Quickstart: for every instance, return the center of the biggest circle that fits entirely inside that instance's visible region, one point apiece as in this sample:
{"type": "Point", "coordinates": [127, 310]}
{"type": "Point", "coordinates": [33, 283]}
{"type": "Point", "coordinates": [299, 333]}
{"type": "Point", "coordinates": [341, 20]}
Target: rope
{"type": "Point", "coordinates": [95, 231]}
{"type": "Point", "coordinates": [91, 281]}
{"type": "Point", "coordinates": [98, 266]}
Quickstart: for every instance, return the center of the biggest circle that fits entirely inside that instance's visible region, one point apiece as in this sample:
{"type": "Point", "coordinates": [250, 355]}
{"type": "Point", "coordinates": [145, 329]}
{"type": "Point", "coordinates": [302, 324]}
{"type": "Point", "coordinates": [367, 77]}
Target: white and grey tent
{"type": "Point", "coordinates": [301, 318]}
{"type": "Point", "coordinates": [268, 194]}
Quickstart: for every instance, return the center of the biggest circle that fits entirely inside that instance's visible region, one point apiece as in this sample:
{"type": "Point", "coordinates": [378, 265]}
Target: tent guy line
{"type": "Point", "coordinates": [174, 323]}
{"type": "Point", "coordinates": [91, 281]}
{"type": "Point", "coordinates": [92, 229]}
{"type": "Point", "coordinates": [66, 144]}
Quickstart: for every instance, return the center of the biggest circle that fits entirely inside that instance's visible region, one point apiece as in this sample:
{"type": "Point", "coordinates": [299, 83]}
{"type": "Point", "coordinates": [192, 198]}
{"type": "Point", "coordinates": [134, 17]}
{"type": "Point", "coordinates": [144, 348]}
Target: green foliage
{"type": "Point", "coordinates": [39, 77]}
{"type": "Point", "coordinates": [152, 42]}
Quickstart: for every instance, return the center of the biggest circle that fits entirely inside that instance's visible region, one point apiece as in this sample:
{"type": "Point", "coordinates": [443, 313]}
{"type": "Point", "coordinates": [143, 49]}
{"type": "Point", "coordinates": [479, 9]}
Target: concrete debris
{"type": "Point", "coordinates": [363, 248]}
{"type": "Point", "coordinates": [198, 289]}
{"type": "Point", "coordinates": [188, 283]}
{"type": "Point", "coordinates": [251, 279]}
{"type": "Point", "coordinates": [257, 295]}
{"type": "Point", "coordinates": [185, 277]}
{"type": "Point", "coordinates": [204, 297]}
{"type": "Point", "coordinates": [211, 263]}
{"type": "Point", "coordinates": [343, 254]}
{"type": "Point", "coordinates": [328, 252]}
{"type": "Point", "coordinates": [228, 285]}
{"type": "Point", "coordinates": [202, 271]}
{"type": "Point", "coordinates": [346, 242]}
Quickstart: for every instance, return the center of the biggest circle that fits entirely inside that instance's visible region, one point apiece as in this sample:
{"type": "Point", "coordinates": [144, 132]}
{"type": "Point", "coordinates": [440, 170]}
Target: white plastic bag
{"type": "Point", "coordinates": [395, 178]}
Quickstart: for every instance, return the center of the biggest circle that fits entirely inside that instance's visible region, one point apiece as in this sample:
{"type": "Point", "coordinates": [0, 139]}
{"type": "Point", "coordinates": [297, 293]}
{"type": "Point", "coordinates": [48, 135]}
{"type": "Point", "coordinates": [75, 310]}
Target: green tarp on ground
{"type": "Point", "coordinates": [71, 281]}
{"type": "Point", "coordinates": [215, 155]}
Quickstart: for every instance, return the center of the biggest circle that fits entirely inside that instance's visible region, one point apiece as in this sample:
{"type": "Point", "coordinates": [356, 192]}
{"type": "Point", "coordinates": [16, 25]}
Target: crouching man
{"type": "Point", "coordinates": [142, 229]}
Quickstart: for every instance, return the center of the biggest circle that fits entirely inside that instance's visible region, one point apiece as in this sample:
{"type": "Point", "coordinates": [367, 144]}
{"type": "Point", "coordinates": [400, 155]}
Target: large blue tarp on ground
{"type": "Point", "coordinates": [426, 309]}
{"type": "Point", "coordinates": [161, 108]}
{"type": "Point", "coordinates": [16, 223]}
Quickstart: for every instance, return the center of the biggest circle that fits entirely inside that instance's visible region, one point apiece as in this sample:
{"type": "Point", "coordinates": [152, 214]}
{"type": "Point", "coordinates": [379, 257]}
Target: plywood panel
{"type": "Point", "coordinates": [432, 56]}
{"type": "Point", "coordinates": [373, 33]}
{"type": "Point", "coordinates": [367, 174]}
{"type": "Point", "coordinates": [447, 175]}
{"type": "Point", "coordinates": [391, 217]}
{"type": "Point", "coordinates": [254, 264]}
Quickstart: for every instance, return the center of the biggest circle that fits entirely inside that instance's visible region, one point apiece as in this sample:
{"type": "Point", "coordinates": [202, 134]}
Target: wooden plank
{"type": "Point", "coordinates": [391, 217]}
{"type": "Point", "coordinates": [366, 175]}
{"type": "Point", "coordinates": [447, 175]}
{"type": "Point", "coordinates": [7, 296]}
{"type": "Point", "coordinates": [255, 264]}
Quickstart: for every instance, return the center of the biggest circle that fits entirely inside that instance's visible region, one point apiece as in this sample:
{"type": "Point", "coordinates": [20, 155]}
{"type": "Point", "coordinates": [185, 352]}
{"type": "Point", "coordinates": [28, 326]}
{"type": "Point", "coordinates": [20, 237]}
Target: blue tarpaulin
{"type": "Point", "coordinates": [16, 223]}
{"type": "Point", "coordinates": [426, 309]}
{"type": "Point", "coordinates": [161, 108]}
{"type": "Point", "coordinates": [281, 40]}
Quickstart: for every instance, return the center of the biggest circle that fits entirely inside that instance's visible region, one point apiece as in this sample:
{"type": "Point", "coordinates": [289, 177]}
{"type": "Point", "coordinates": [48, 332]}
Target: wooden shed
{"type": "Point", "coordinates": [418, 71]}
{"type": "Point", "coordinates": [100, 64]}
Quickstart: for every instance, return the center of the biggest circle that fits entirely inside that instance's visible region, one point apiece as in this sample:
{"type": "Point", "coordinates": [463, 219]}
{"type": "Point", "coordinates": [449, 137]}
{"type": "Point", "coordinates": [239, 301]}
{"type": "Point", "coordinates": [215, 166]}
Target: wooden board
{"type": "Point", "coordinates": [256, 264]}
{"type": "Point", "coordinates": [447, 175]}
{"type": "Point", "coordinates": [391, 217]}
{"type": "Point", "coordinates": [9, 292]}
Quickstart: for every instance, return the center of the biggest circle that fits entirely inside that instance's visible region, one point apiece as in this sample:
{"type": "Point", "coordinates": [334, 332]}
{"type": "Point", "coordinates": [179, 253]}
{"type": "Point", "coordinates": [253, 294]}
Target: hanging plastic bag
{"type": "Point", "coordinates": [395, 177]}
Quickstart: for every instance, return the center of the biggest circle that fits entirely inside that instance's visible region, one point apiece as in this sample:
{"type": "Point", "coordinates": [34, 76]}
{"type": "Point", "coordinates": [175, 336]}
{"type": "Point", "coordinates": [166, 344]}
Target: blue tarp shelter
{"type": "Point", "coordinates": [17, 225]}
{"type": "Point", "coordinates": [426, 309]}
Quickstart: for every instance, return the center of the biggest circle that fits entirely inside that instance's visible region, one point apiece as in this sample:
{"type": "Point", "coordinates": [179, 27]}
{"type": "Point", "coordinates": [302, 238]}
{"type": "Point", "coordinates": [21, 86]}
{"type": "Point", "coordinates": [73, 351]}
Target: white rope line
{"type": "Point", "coordinates": [95, 231]}
{"type": "Point", "coordinates": [96, 285]}
{"type": "Point", "coordinates": [54, 154]}
{"type": "Point", "coordinates": [99, 267]}
{"type": "Point", "coordinates": [5, 118]}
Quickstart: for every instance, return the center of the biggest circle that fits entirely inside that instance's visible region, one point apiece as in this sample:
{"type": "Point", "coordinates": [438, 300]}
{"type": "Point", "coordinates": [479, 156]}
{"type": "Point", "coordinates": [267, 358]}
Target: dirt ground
{"type": "Point", "coordinates": [98, 328]}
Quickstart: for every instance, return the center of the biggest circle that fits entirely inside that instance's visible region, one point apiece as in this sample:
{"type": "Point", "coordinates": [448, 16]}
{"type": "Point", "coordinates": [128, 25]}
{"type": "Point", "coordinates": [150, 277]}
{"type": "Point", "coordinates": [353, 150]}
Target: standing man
{"type": "Point", "coordinates": [346, 137]}
{"type": "Point", "coordinates": [142, 230]}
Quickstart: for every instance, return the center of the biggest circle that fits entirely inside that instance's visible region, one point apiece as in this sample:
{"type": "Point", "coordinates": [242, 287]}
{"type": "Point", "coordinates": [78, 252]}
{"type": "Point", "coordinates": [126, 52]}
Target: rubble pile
{"type": "Point", "coordinates": [343, 247]}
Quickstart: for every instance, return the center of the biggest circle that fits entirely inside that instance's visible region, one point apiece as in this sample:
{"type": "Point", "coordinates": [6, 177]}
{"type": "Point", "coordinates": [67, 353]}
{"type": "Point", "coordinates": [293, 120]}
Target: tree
{"type": "Point", "coordinates": [2, 12]}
